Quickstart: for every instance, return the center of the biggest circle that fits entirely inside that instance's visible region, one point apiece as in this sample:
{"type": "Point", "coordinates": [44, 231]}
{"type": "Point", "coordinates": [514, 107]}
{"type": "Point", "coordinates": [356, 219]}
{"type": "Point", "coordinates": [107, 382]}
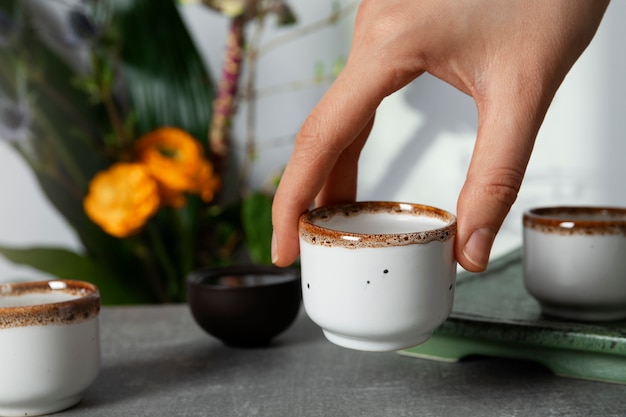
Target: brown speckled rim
{"type": "Point", "coordinates": [318, 235]}
{"type": "Point", "coordinates": [563, 220]}
{"type": "Point", "coordinates": [82, 308]}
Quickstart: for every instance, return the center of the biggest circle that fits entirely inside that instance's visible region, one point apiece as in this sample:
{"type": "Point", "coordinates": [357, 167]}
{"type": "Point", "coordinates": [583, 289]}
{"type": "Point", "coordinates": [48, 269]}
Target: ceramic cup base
{"type": "Point", "coordinates": [386, 345]}
{"type": "Point", "coordinates": [583, 314]}
{"type": "Point", "coordinates": [40, 409]}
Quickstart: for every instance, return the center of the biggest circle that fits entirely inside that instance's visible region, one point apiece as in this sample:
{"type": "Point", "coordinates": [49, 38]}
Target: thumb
{"type": "Point", "coordinates": [508, 126]}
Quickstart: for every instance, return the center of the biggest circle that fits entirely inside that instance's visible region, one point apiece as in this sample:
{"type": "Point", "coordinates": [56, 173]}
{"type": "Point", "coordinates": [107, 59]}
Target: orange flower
{"type": "Point", "coordinates": [122, 198]}
{"type": "Point", "coordinates": [177, 162]}
{"type": "Point", "coordinates": [207, 182]}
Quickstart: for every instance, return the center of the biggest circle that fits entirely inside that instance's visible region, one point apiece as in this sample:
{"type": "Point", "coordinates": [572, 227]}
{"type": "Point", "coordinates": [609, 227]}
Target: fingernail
{"type": "Point", "coordinates": [274, 249]}
{"type": "Point", "coordinates": [478, 246]}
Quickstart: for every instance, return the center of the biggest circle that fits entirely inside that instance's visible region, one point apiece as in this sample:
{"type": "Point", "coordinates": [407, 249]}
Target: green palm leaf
{"type": "Point", "coordinates": [66, 264]}
{"type": "Point", "coordinates": [160, 80]}
{"type": "Point", "coordinates": [165, 77]}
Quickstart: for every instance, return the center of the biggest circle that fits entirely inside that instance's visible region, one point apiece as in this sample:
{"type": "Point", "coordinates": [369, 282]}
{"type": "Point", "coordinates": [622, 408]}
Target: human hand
{"type": "Point", "coordinates": [510, 56]}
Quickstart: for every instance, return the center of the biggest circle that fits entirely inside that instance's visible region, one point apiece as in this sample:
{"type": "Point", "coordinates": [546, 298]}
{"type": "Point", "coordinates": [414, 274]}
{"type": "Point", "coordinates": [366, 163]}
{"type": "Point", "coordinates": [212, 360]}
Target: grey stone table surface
{"type": "Point", "coordinates": [157, 362]}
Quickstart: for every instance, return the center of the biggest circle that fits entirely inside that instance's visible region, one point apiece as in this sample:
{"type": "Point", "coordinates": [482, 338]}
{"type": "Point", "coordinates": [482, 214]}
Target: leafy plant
{"type": "Point", "coordinates": [128, 135]}
{"type": "Point", "coordinates": [142, 72]}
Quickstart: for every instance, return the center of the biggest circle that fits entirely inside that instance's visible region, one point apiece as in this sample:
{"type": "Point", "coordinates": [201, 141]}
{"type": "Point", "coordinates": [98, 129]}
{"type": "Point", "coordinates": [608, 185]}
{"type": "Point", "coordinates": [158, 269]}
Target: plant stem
{"type": "Point", "coordinates": [66, 159]}
{"type": "Point", "coordinates": [291, 86]}
{"type": "Point", "coordinates": [173, 286]}
{"type": "Point", "coordinates": [186, 236]}
{"type": "Point", "coordinates": [149, 270]}
{"type": "Point", "coordinates": [250, 94]}
{"type": "Point", "coordinates": [66, 106]}
{"type": "Point", "coordinates": [225, 102]}
{"type": "Point", "coordinates": [114, 117]}
{"type": "Point", "coordinates": [305, 30]}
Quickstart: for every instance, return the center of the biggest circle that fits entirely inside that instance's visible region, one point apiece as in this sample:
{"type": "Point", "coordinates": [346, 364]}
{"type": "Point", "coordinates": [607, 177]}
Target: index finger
{"type": "Point", "coordinates": [343, 115]}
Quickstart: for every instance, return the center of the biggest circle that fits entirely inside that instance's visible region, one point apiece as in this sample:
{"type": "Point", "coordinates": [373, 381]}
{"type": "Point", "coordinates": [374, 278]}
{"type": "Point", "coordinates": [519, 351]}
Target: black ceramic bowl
{"type": "Point", "coordinates": [244, 306]}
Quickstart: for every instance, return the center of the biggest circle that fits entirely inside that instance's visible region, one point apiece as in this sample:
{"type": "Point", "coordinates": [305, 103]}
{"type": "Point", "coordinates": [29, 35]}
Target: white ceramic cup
{"type": "Point", "coordinates": [49, 345]}
{"type": "Point", "coordinates": [575, 261]}
{"type": "Point", "coordinates": [377, 276]}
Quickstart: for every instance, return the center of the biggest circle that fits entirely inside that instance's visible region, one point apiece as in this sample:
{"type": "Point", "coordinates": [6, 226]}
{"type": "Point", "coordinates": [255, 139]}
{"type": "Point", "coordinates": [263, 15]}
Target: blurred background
{"type": "Point", "coordinates": [421, 144]}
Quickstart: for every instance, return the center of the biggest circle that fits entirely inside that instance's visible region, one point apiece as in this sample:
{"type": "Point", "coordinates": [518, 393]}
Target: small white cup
{"type": "Point", "coordinates": [377, 276]}
{"type": "Point", "coordinates": [575, 261]}
{"type": "Point", "coordinates": [49, 345]}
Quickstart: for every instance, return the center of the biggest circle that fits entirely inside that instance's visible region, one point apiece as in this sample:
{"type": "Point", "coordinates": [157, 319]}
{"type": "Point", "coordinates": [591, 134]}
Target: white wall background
{"type": "Point", "coordinates": [421, 144]}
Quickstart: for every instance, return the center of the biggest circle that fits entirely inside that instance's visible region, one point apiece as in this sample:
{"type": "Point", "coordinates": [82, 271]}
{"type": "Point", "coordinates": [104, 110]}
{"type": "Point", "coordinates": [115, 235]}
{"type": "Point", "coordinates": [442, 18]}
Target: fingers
{"type": "Point", "coordinates": [325, 157]}
{"type": "Point", "coordinates": [341, 183]}
{"type": "Point", "coordinates": [326, 152]}
{"type": "Point", "coordinates": [512, 96]}
{"type": "Point", "coordinates": [506, 134]}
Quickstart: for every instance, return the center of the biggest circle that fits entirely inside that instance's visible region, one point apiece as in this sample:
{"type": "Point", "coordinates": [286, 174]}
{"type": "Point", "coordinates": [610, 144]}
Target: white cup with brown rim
{"type": "Point", "coordinates": [574, 261]}
{"type": "Point", "coordinates": [377, 276]}
{"type": "Point", "coordinates": [49, 345]}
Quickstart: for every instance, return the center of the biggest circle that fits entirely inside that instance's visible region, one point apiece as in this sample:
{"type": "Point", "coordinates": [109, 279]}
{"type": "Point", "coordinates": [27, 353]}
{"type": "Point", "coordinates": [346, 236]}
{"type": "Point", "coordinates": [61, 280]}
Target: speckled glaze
{"type": "Point", "coordinates": [49, 345]}
{"type": "Point", "coordinates": [569, 221]}
{"type": "Point", "coordinates": [84, 303]}
{"type": "Point", "coordinates": [575, 261]}
{"type": "Point", "coordinates": [377, 291]}
{"type": "Point", "coordinates": [314, 227]}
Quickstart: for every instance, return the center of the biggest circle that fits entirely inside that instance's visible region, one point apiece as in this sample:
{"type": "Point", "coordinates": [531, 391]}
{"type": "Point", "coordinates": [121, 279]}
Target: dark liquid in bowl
{"type": "Point", "coordinates": [236, 281]}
